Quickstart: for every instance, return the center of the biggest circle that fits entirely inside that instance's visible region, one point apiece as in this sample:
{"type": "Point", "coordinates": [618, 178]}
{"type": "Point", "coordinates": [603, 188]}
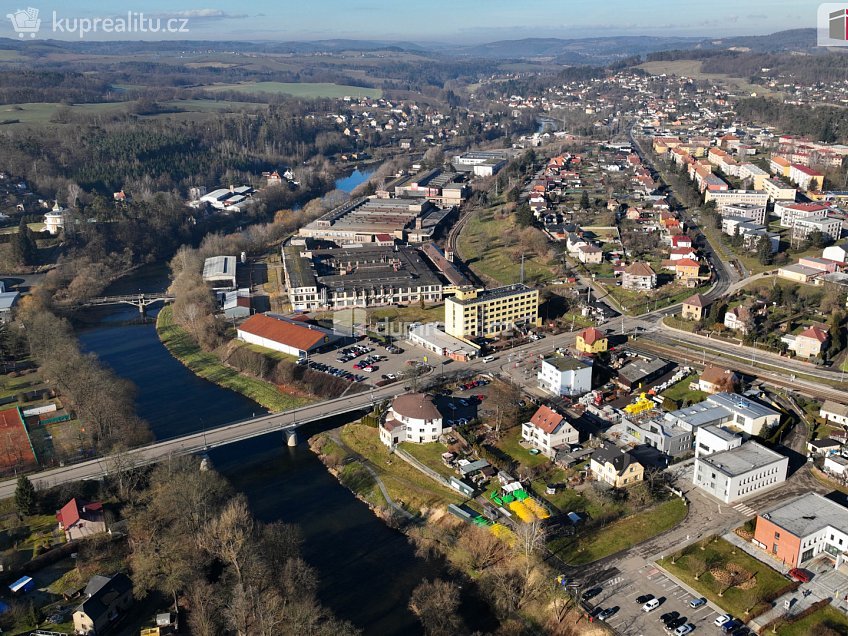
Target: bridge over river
{"type": "Point", "coordinates": [285, 422]}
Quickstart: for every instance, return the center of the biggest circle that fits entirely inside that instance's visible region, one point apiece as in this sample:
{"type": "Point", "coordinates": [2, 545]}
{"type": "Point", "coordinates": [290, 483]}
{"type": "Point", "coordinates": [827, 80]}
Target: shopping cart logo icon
{"type": "Point", "coordinates": [25, 21]}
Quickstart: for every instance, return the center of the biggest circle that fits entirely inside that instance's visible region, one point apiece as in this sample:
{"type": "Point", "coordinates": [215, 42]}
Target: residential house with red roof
{"type": "Point", "coordinates": [547, 430]}
{"type": "Point", "coordinates": [638, 276]}
{"type": "Point", "coordinates": [810, 343]}
{"type": "Point", "coordinates": [591, 341]}
{"type": "Point", "coordinates": [80, 519]}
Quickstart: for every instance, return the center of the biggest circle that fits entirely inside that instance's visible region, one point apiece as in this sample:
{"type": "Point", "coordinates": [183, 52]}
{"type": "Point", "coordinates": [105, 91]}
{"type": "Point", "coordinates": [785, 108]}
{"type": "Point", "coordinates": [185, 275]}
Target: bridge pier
{"type": "Point", "coordinates": [291, 436]}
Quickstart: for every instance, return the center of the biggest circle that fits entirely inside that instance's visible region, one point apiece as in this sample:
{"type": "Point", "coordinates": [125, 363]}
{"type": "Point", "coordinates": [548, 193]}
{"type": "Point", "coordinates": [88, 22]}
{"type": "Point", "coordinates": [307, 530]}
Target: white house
{"type": "Point", "coordinates": [834, 412]}
{"type": "Point", "coordinates": [740, 472]}
{"type": "Point", "coordinates": [836, 465]}
{"type": "Point", "coordinates": [547, 430]}
{"type": "Point", "coordinates": [413, 417]}
{"type": "Point", "coordinates": [55, 219]}
{"type": "Point", "coordinates": [562, 375]}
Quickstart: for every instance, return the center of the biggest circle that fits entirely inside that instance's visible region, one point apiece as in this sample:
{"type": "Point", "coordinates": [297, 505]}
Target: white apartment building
{"type": "Point", "coordinates": [740, 472]}
{"type": "Point", "coordinates": [754, 197]}
{"type": "Point", "coordinates": [562, 375]}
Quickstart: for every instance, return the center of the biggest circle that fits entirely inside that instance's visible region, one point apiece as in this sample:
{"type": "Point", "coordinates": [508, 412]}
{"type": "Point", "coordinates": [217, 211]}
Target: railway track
{"type": "Point", "coordinates": [771, 378]}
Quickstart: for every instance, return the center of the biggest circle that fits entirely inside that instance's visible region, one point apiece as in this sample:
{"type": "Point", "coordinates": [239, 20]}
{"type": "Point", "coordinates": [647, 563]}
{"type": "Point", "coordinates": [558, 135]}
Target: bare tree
{"type": "Point", "coordinates": [228, 535]}
{"type": "Point", "coordinates": [435, 604]}
{"type": "Point", "coordinates": [205, 609]}
{"type": "Point", "coordinates": [483, 549]}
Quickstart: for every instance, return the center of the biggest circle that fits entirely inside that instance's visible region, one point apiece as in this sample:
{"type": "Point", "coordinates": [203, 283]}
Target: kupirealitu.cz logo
{"type": "Point", "coordinates": [832, 24]}
{"type": "Point", "coordinates": [26, 22]}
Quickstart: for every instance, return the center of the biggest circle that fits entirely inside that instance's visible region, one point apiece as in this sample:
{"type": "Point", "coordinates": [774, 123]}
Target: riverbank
{"type": "Point", "coordinates": [207, 366]}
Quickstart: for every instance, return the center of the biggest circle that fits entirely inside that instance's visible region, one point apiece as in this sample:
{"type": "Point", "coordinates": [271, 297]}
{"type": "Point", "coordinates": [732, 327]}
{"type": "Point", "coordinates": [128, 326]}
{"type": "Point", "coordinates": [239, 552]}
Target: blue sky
{"type": "Point", "coordinates": [460, 21]}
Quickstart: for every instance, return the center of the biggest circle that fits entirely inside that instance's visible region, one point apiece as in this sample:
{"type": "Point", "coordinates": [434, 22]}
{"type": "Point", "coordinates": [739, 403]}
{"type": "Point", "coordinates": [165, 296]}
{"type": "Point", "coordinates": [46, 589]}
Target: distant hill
{"type": "Point", "coordinates": [802, 40]}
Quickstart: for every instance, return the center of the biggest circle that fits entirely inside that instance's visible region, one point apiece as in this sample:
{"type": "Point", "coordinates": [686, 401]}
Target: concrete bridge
{"type": "Point", "coordinates": [138, 300]}
{"type": "Point", "coordinates": [286, 423]}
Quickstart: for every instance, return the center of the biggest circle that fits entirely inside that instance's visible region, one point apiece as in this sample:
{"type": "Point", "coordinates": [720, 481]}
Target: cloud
{"type": "Point", "coordinates": [202, 14]}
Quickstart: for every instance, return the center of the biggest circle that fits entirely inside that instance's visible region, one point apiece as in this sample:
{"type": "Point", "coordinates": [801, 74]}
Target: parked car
{"type": "Point", "coordinates": [688, 628]}
{"type": "Point", "coordinates": [591, 593]}
{"type": "Point", "coordinates": [651, 605]}
{"type": "Point", "coordinates": [721, 620]}
{"type": "Point", "coordinates": [798, 574]}
{"type": "Point", "coordinates": [697, 602]}
{"type": "Point", "coordinates": [675, 623]}
{"type": "Point", "coordinates": [742, 631]}
{"type": "Point", "coordinates": [730, 625]}
{"type": "Point", "coordinates": [669, 616]}
{"type": "Point", "coordinates": [641, 600]}
{"type": "Point", "coordinates": [607, 613]}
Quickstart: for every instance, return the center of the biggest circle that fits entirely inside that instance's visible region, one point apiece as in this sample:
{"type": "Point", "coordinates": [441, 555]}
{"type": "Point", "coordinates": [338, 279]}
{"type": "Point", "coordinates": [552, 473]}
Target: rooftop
{"type": "Point", "coordinates": [566, 363]}
{"type": "Point", "coordinates": [742, 459]}
{"type": "Point", "coordinates": [219, 267]}
{"type": "Point", "coordinates": [494, 294]}
{"type": "Point", "coordinates": [808, 514]}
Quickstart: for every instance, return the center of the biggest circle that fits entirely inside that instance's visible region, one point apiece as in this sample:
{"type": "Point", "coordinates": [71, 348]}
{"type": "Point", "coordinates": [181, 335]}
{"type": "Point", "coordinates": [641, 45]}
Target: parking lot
{"type": "Point", "coordinates": [390, 363]}
{"type": "Point", "coordinates": [631, 620]}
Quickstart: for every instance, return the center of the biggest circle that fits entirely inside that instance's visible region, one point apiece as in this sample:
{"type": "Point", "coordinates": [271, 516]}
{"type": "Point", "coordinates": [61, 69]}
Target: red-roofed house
{"type": "Point", "coordinates": [547, 430]}
{"type": "Point", "coordinates": [679, 253]}
{"type": "Point", "coordinates": [80, 519]}
{"type": "Point", "coordinates": [809, 343]}
{"type": "Point", "coordinates": [681, 240]}
{"type": "Point", "coordinates": [591, 341]}
{"type": "Point", "coordinates": [806, 178]}
{"type": "Point", "coordinates": [287, 336]}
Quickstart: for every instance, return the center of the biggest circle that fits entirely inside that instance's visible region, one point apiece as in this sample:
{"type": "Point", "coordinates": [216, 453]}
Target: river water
{"type": "Point", "coordinates": [367, 570]}
{"type": "Point", "coordinates": [355, 178]}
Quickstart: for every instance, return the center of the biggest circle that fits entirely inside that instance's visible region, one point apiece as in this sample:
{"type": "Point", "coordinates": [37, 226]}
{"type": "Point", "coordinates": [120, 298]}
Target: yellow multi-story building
{"type": "Point", "coordinates": [474, 312]}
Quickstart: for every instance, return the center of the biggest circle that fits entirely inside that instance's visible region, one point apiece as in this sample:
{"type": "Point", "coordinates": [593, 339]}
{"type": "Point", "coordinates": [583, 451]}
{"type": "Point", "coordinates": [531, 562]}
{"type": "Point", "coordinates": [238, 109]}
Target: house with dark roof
{"type": "Point", "coordinates": [716, 379]}
{"type": "Point", "coordinates": [80, 519]}
{"type": "Point", "coordinates": [615, 466]}
{"type": "Point", "coordinates": [548, 431]}
{"type": "Point", "coordinates": [107, 600]}
{"type": "Point", "coordinates": [412, 417]}
{"type": "Point", "coordinates": [638, 276]}
{"type": "Point", "coordinates": [695, 307]}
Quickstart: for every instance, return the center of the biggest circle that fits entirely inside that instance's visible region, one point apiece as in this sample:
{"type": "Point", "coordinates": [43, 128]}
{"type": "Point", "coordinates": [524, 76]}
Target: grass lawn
{"type": "Point", "coordinates": [298, 89]}
{"type": "Point", "coordinates": [680, 323]}
{"type": "Point", "coordinates": [620, 535]}
{"type": "Point", "coordinates": [430, 455]}
{"type": "Point", "coordinates": [719, 553]}
{"type": "Point", "coordinates": [208, 366]}
{"type": "Point", "coordinates": [408, 486]}
{"type": "Point", "coordinates": [681, 392]}
{"type": "Point", "coordinates": [43, 112]}
{"type": "Point", "coordinates": [509, 445]}
{"type": "Point", "coordinates": [636, 303]}
{"type": "Point", "coordinates": [809, 625]}
{"type": "Point", "coordinates": [484, 246]}
{"type": "Point", "coordinates": [356, 477]}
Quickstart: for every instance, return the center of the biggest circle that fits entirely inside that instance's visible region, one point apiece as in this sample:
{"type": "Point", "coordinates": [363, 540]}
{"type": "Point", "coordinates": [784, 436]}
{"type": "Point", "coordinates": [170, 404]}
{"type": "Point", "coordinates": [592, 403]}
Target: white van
{"type": "Point", "coordinates": [651, 605]}
{"type": "Point", "coordinates": [488, 358]}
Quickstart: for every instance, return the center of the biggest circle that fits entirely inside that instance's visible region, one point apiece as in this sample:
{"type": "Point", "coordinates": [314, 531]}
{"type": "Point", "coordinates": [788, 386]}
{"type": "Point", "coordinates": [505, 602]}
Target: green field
{"type": "Point", "coordinates": [484, 243]}
{"type": "Point", "coordinates": [320, 89]}
{"type": "Point", "coordinates": [43, 112]}
{"type": "Point", "coordinates": [826, 617]}
{"type": "Point", "coordinates": [620, 535]}
{"type": "Point", "coordinates": [207, 365]}
{"type": "Point", "coordinates": [717, 555]}
{"type": "Point", "coordinates": [692, 68]}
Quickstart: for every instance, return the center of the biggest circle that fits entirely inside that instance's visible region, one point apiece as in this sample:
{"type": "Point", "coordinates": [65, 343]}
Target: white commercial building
{"type": "Point", "coordinates": [562, 375]}
{"type": "Point", "coordinates": [413, 417]}
{"type": "Point", "coordinates": [434, 339]}
{"type": "Point", "coordinates": [715, 439]}
{"type": "Point", "coordinates": [740, 472]}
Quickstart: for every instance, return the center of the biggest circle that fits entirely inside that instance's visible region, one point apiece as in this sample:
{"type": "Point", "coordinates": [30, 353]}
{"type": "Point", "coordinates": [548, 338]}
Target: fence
{"type": "Point", "coordinates": [409, 459]}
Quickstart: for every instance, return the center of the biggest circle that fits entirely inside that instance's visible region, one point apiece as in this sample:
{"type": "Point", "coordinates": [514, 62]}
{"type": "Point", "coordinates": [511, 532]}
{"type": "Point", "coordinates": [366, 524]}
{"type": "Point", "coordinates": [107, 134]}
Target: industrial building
{"type": "Point", "coordinates": [358, 277]}
{"type": "Point", "coordinates": [220, 272]}
{"type": "Point", "coordinates": [285, 335]}
{"type": "Point", "coordinates": [373, 220]}
{"type": "Point", "coordinates": [474, 312]}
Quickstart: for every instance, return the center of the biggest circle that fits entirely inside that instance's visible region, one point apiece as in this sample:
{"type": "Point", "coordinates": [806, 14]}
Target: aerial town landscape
{"type": "Point", "coordinates": [519, 323]}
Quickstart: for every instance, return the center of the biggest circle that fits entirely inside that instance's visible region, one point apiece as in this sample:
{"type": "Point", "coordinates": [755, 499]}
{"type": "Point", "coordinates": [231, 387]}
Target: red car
{"type": "Point", "coordinates": [799, 575]}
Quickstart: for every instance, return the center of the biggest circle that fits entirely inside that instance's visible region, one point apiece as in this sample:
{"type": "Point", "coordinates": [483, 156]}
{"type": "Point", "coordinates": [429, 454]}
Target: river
{"type": "Point", "coordinates": [355, 178]}
{"type": "Point", "coordinates": [367, 571]}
